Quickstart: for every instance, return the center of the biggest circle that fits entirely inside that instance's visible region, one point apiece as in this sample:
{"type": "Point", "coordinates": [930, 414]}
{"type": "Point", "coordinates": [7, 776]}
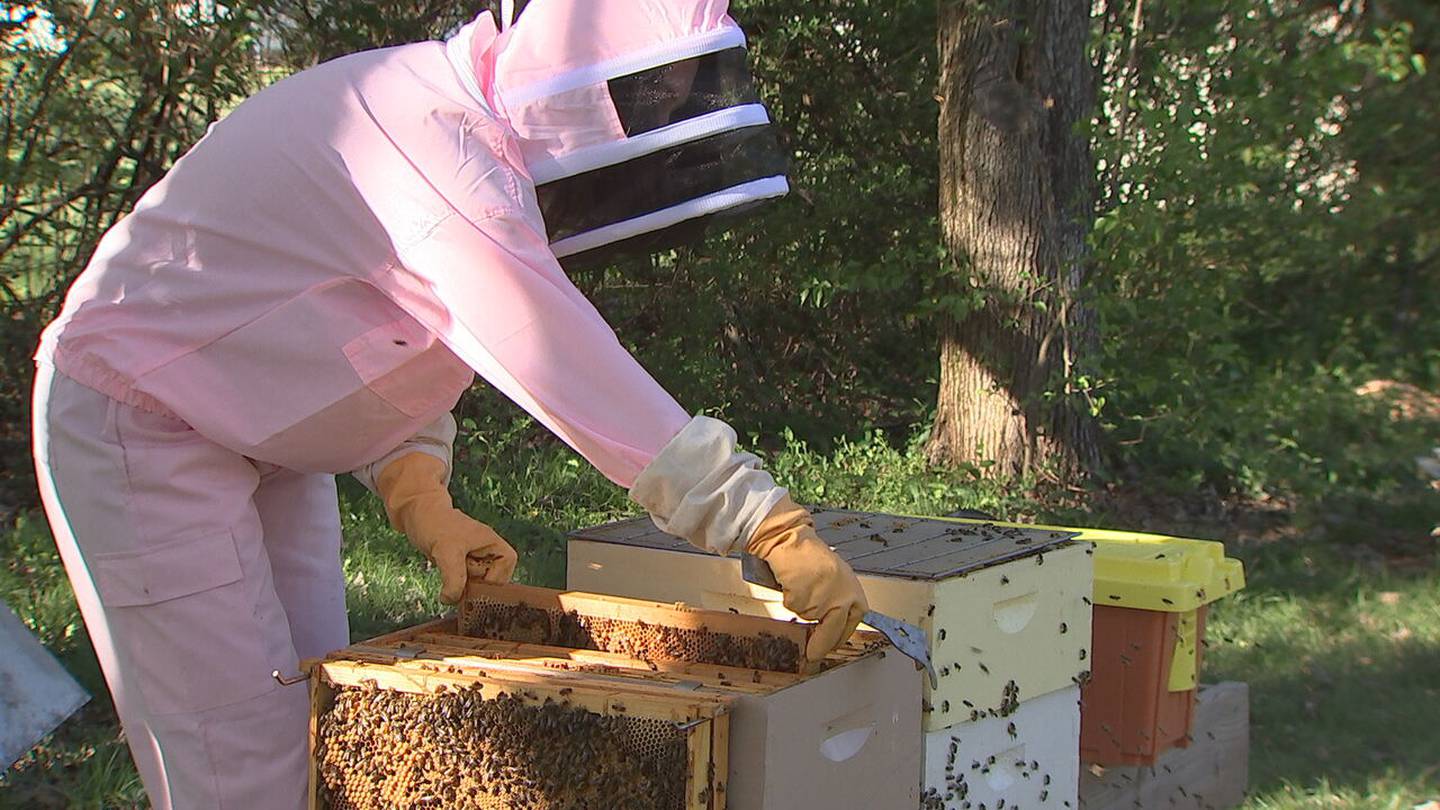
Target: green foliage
{"type": "Point", "coordinates": [871, 473]}
{"type": "Point", "coordinates": [811, 316]}
{"type": "Point", "coordinates": [99, 99]}
{"type": "Point", "coordinates": [301, 33]}
{"type": "Point", "coordinates": [1340, 659]}
{"type": "Point", "coordinates": [33, 584]}
{"type": "Point", "coordinates": [1268, 239]}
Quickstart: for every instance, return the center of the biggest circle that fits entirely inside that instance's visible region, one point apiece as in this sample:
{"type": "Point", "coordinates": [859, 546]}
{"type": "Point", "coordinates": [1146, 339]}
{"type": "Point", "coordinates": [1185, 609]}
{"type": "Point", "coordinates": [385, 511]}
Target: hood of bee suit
{"type": "Point", "coordinates": [638, 120]}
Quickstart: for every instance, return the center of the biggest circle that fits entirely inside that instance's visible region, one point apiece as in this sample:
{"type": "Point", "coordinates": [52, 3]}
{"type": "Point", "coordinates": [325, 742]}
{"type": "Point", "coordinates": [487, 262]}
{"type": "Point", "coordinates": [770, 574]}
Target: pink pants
{"type": "Point", "coordinates": [198, 573]}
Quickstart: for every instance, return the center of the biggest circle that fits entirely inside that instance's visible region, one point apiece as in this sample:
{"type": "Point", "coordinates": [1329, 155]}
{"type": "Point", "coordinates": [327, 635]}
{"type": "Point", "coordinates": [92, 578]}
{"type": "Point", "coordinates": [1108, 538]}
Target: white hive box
{"type": "Point", "coordinates": [1006, 609]}
{"type": "Point", "coordinates": [1030, 759]}
{"type": "Point", "coordinates": [847, 738]}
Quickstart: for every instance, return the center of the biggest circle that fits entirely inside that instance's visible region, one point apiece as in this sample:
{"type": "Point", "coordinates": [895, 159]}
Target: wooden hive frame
{"type": "Point", "coordinates": [603, 606]}
{"type": "Point", "coordinates": [703, 718]}
{"type": "Point", "coordinates": [439, 643]}
{"type": "Point", "coordinates": [435, 656]}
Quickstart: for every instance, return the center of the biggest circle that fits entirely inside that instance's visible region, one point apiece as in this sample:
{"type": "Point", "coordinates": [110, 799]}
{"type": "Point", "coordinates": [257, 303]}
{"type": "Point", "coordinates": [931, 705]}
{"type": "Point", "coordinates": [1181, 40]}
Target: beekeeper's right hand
{"type": "Point", "coordinates": [413, 489]}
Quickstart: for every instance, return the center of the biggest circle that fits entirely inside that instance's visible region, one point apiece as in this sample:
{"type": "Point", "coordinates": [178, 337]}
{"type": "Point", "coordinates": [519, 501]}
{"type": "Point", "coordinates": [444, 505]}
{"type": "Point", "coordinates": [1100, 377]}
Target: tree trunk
{"type": "Point", "coordinates": [1016, 203]}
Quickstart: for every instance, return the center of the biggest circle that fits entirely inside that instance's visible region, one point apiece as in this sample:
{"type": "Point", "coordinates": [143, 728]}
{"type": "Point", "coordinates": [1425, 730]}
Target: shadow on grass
{"type": "Point", "coordinates": [1346, 723]}
{"type": "Point", "coordinates": [1343, 663]}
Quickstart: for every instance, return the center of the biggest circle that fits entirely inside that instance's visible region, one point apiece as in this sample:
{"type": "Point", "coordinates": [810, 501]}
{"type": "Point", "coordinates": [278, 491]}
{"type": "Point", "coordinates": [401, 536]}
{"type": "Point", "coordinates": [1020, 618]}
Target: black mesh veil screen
{"type": "Point", "coordinates": [682, 90]}
{"type": "Point", "coordinates": [670, 179]}
{"type": "Point", "coordinates": [659, 180]}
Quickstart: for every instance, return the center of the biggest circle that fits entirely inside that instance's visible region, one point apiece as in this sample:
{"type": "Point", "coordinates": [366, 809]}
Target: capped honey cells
{"type": "Point", "coordinates": [484, 618]}
{"type": "Point", "coordinates": [379, 748]}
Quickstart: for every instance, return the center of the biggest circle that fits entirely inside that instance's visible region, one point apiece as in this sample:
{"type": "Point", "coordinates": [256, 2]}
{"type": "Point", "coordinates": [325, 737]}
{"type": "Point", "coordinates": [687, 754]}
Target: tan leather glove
{"type": "Point", "coordinates": [413, 489]}
{"type": "Point", "coordinates": [818, 585]}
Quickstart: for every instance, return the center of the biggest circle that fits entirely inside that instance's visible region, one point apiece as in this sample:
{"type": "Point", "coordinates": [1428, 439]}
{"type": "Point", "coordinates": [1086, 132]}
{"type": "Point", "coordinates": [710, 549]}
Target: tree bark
{"type": "Point", "coordinates": [1016, 204]}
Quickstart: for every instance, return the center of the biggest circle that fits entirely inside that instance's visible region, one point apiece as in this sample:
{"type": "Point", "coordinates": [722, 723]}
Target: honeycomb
{"type": "Point", "coordinates": [485, 618]}
{"type": "Point", "coordinates": [379, 748]}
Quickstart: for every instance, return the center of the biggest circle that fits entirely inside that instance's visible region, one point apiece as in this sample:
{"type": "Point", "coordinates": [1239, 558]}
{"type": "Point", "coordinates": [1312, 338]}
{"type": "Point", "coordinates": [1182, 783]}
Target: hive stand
{"type": "Point", "coordinates": [1211, 774]}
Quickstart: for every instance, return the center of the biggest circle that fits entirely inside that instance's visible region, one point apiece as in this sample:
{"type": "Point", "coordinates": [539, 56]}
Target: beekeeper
{"type": "Point", "coordinates": [310, 290]}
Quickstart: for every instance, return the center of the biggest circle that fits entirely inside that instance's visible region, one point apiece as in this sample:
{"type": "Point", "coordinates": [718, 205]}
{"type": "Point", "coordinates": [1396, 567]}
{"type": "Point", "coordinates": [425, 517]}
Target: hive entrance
{"type": "Point", "coordinates": [501, 615]}
{"type": "Point", "coordinates": [378, 748]}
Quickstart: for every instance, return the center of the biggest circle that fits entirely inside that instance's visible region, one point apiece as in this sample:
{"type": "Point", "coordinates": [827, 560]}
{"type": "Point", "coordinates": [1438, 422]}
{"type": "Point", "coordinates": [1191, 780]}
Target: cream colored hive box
{"type": "Point", "coordinates": [1007, 609]}
{"type": "Point", "coordinates": [618, 710]}
{"type": "Point", "coordinates": [1028, 759]}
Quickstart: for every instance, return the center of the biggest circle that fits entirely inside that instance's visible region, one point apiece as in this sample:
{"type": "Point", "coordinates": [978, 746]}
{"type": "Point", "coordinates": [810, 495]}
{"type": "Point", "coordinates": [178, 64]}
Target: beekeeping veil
{"type": "Point", "coordinates": [638, 121]}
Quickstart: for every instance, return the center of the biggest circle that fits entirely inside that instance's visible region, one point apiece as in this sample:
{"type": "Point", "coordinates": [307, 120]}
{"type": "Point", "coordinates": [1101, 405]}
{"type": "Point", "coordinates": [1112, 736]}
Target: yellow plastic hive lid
{"type": "Point", "coordinates": [1153, 571]}
{"type": "Point", "coordinates": [1156, 572]}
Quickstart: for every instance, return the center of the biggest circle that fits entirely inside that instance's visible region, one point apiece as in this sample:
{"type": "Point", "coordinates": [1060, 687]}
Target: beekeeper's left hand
{"type": "Point", "coordinates": [818, 585]}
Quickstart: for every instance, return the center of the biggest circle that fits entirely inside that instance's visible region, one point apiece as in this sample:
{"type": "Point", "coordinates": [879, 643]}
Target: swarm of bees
{"type": "Point", "coordinates": [379, 748]}
{"type": "Point", "coordinates": [637, 639]}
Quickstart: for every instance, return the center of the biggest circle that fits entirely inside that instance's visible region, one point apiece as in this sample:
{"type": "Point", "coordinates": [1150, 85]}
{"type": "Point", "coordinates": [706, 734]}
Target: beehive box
{"type": "Point", "coordinates": [1025, 760]}
{"type": "Point", "coordinates": [1151, 597]}
{"type": "Point", "coordinates": [387, 735]}
{"type": "Point", "coordinates": [756, 738]}
{"type": "Point", "coordinates": [1006, 608]}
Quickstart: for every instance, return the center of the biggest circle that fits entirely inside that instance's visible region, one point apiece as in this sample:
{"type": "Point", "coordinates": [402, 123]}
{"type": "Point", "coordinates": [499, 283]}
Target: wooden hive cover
{"type": "Point", "coordinates": [877, 543]}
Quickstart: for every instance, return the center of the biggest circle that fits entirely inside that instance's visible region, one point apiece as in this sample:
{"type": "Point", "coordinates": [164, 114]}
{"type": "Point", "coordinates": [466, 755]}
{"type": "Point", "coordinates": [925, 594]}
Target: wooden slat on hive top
{"type": "Point", "coordinates": [879, 544]}
{"type": "Point", "coordinates": [640, 531]}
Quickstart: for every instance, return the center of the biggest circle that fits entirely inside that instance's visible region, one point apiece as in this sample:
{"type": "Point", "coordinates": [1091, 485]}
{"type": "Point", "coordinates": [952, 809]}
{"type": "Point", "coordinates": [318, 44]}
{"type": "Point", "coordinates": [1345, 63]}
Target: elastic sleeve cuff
{"type": "Point", "coordinates": [436, 439]}
{"type": "Point", "coordinates": [701, 489]}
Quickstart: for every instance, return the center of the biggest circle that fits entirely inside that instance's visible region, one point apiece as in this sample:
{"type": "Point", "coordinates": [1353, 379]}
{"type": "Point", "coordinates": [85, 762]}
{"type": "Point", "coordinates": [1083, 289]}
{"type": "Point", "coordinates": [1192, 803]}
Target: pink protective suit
{"type": "Point", "coordinates": [307, 290]}
{"type": "Point", "coordinates": [353, 241]}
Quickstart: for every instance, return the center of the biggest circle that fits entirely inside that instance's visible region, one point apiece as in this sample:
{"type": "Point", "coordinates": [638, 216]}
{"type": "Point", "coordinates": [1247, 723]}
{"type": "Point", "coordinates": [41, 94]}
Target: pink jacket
{"type": "Point", "coordinates": [317, 278]}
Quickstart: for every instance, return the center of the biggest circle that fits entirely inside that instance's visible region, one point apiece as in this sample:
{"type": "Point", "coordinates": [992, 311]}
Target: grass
{"type": "Point", "coordinates": [1342, 654]}
{"type": "Point", "coordinates": [1343, 663]}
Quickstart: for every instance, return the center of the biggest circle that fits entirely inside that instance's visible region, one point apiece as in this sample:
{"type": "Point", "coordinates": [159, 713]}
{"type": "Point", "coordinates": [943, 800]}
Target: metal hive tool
{"type": "Point", "coordinates": [906, 637]}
